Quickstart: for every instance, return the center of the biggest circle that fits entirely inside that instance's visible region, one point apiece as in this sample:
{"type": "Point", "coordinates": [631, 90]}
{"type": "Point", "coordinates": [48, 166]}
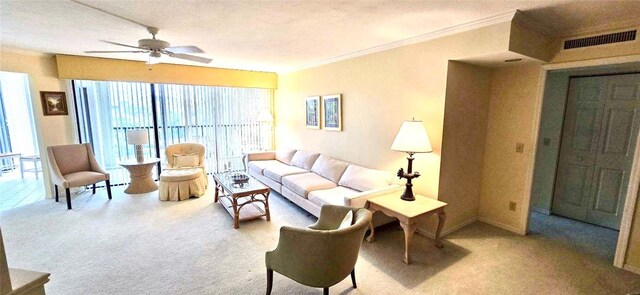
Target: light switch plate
{"type": "Point", "coordinates": [512, 206]}
{"type": "Point", "coordinates": [519, 147]}
{"type": "Point", "coordinates": [546, 141]}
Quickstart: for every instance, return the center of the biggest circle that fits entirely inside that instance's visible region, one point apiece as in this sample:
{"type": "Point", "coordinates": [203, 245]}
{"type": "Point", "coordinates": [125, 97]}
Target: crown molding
{"type": "Point", "coordinates": [16, 50]}
{"type": "Point", "coordinates": [508, 16]}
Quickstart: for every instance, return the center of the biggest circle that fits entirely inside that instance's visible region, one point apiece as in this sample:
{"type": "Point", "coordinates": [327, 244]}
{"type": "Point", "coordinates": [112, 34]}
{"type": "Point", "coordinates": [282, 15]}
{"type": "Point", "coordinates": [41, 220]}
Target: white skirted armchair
{"type": "Point", "coordinates": [184, 175]}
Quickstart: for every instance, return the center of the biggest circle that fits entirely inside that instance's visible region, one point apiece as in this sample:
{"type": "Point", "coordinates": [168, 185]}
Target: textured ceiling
{"type": "Point", "coordinates": [271, 35]}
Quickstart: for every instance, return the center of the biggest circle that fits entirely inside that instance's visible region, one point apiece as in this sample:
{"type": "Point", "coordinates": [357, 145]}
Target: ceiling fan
{"type": "Point", "coordinates": [156, 48]}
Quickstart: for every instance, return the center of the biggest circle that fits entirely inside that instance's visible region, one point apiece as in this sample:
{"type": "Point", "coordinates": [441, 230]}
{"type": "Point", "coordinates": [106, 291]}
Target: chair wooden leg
{"type": "Point", "coordinates": [269, 280]}
{"type": "Point", "coordinates": [325, 291]}
{"type": "Point", "coordinates": [94, 189]}
{"type": "Point", "coordinates": [108, 183]}
{"type": "Point", "coordinates": [55, 187]}
{"type": "Point", "coordinates": [353, 278]}
{"type": "Point", "coordinates": [68, 191]}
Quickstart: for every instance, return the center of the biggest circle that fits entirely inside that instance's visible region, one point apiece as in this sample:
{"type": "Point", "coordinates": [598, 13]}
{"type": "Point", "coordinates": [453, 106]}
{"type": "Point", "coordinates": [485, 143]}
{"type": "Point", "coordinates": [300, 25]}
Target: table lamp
{"type": "Point", "coordinates": [138, 137]}
{"type": "Point", "coordinates": [412, 138]}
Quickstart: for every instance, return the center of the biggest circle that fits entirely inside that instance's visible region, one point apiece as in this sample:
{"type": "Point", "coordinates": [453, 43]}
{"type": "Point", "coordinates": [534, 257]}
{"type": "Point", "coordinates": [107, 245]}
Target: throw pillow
{"type": "Point", "coordinates": [364, 179]}
{"type": "Point", "coordinates": [304, 159]}
{"type": "Point", "coordinates": [346, 222]}
{"type": "Point", "coordinates": [285, 156]}
{"type": "Point", "coordinates": [190, 160]}
{"type": "Point", "coordinates": [329, 168]}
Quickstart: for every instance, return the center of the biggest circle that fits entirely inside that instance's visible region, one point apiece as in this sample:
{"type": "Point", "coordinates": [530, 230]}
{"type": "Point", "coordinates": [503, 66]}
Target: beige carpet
{"type": "Point", "coordinates": [139, 245]}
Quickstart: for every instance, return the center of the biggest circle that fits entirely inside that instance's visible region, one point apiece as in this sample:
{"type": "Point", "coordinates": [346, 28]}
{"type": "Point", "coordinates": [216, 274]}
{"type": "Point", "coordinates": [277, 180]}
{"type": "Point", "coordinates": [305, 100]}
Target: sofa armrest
{"type": "Point", "coordinates": [260, 156]}
{"type": "Point", "coordinates": [360, 200]}
{"type": "Point", "coordinates": [256, 156]}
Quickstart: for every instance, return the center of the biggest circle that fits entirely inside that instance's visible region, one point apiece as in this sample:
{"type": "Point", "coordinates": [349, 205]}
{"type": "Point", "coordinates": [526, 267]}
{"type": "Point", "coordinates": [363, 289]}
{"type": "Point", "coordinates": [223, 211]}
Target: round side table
{"type": "Point", "coordinates": [141, 180]}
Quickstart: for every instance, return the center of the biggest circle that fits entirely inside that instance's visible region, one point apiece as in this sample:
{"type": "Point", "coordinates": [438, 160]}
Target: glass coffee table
{"type": "Point", "coordinates": [244, 197]}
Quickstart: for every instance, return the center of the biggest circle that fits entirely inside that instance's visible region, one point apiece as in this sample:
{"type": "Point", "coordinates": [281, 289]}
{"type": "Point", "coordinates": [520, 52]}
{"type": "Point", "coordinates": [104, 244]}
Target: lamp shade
{"type": "Point", "coordinates": [412, 138]}
{"type": "Point", "coordinates": [264, 116]}
{"type": "Point", "coordinates": [138, 136]}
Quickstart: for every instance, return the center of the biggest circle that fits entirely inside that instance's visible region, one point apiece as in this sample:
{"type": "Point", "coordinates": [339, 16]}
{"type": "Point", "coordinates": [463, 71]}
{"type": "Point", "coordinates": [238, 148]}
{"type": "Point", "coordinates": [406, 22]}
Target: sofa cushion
{"type": "Point", "coordinates": [304, 159]}
{"type": "Point", "coordinates": [278, 170]}
{"type": "Point", "coordinates": [364, 179]}
{"type": "Point", "coordinates": [329, 168]}
{"type": "Point", "coordinates": [258, 166]}
{"type": "Point", "coordinates": [302, 184]}
{"type": "Point", "coordinates": [285, 155]}
{"type": "Point", "coordinates": [332, 196]}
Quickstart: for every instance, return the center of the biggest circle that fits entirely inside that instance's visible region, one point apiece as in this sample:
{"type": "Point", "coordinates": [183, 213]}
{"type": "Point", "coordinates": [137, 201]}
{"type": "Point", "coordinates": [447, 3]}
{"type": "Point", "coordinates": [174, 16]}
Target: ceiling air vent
{"type": "Point", "coordinates": [601, 39]}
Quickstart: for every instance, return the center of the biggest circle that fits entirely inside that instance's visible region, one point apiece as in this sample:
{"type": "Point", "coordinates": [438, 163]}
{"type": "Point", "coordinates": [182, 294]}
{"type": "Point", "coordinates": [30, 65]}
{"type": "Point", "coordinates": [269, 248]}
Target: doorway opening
{"type": "Point", "coordinates": [587, 138]}
{"type": "Point", "coordinates": [20, 164]}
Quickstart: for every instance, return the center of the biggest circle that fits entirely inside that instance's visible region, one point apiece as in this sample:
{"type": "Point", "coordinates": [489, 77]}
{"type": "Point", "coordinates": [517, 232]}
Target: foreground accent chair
{"type": "Point", "coordinates": [185, 174]}
{"type": "Point", "coordinates": [15, 281]}
{"type": "Point", "coordinates": [322, 255]}
{"type": "Point", "coordinates": [74, 165]}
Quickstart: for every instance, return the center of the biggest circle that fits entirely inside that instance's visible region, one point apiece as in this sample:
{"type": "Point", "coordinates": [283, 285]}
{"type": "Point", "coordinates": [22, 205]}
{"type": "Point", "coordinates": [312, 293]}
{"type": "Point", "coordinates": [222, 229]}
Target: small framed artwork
{"type": "Point", "coordinates": [332, 112]}
{"type": "Point", "coordinates": [54, 103]}
{"type": "Point", "coordinates": [313, 112]}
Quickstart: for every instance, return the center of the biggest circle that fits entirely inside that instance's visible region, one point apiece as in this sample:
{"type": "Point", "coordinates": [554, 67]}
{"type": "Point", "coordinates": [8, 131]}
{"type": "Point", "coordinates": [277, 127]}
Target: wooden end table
{"type": "Point", "coordinates": [141, 179]}
{"type": "Point", "coordinates": [407, 213]}
{"type": "Point", "coordinates": [235, 196]}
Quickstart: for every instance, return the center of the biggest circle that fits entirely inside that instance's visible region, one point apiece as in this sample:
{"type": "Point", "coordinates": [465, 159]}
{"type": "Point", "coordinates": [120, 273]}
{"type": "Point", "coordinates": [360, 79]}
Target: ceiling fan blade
{"type": "Point", "coordinates": [124, 51]}
{"type": "Point", "coordinates": [120, 44]}
{"type": "Point", "coordinates": [190, 57]}
{"type": "Point", "coordinates": [185, 49]}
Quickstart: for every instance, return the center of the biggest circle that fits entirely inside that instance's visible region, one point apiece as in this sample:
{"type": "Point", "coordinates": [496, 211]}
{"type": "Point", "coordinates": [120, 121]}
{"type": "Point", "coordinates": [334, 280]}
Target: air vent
{"type": "Point", "coordinates": [601, 39]}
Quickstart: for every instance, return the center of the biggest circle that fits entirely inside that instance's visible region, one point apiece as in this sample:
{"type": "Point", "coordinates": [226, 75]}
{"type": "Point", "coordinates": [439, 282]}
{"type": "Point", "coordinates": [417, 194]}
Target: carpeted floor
{"type": "Point", "coordinates": [139, 245]}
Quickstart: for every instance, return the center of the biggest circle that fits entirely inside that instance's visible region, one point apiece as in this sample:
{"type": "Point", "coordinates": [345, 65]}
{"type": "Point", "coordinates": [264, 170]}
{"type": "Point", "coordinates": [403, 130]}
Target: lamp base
{"type": "Point", "coordinates": [139, 154]}
{"type": "Point", "coordinates": [409, 175]}
{"type": "Point", "coordinates": [407, 195]}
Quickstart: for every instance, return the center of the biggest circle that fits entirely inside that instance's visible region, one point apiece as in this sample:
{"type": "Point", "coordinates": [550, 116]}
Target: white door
{"type": "Point", "coordinates": [598, 143]}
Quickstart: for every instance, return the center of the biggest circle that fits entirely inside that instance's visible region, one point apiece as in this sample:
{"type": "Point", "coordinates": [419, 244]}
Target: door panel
{"type": "Point", "coordinates": [618, 133]}
{"type": "Point", "coordinates": [608, 190]}
{"type": "Point", "coordinates": [607, 108]}
{"type": "Point", "coordinates": [577, 184]}
{"type": "Point", "coordinates": [584, 131]}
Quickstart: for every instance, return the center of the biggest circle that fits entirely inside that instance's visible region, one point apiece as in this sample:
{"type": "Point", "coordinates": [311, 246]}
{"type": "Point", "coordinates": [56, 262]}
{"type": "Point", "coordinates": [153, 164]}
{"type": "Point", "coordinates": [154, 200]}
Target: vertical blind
{"type": "Point", "coordinates": [223, 119]}
{"type": "Point", "coordinates": [5, 140]}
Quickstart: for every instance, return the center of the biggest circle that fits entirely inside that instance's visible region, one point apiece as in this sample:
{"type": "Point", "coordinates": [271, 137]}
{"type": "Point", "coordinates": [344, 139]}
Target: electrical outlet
{"type": "Point", "coordinates": [519, 147]}
{"type": "Point", "coordinates": [512, 206]}
{"type": "Point", "coordinates": [546, 141]}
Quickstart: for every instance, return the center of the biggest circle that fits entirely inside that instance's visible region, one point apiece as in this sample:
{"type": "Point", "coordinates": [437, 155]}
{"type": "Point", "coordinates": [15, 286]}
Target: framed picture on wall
{"type": "Point", "coordinates": [332, 112]}
{"type": "Point", "coordinates": [54, 103]}
{"type": "Point", "coordinates": [312, 117]}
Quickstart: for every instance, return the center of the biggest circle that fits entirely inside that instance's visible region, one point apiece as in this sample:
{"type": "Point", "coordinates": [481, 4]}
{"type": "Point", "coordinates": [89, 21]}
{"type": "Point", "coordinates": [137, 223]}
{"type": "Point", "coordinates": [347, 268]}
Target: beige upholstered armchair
{"type": "Point", "coordinates": [185, 174]}
{"type": "Point", "coordinates": [322, 255]}
{"type": "Point", "coordinates": [15, 281]}
{"type": "Point", "coordinates": [74, 165]}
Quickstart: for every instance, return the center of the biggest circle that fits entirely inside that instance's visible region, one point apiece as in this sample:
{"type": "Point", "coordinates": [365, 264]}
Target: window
{"type": "Point", "coordinates": [223, 119]}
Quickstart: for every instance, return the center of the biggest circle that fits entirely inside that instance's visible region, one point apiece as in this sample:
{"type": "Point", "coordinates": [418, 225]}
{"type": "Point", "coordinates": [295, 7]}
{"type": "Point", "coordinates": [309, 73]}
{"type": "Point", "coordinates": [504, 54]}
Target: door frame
{"type": "Point", "coordinates": [634, 178]}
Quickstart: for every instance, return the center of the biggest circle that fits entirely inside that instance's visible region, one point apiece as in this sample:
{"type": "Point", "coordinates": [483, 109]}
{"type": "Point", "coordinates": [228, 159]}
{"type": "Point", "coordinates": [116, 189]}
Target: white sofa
{"type": "Point", "coordinates": [311, 180]}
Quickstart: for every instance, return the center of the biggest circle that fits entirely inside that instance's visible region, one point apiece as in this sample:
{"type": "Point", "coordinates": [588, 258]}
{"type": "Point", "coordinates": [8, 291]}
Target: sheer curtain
{"type": "Point", "coordinates": [221, 118]}
{"type": "Point", "coordinates": [18, 133]}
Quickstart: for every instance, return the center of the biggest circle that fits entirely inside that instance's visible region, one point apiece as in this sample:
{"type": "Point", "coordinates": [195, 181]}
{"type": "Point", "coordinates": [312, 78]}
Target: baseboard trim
{"type": "Point", "coordinates": [539, 210]}
{"type": "Point", "coordinates": [632, 269]}
{"type": "Point", "coordinates": [500, 225]}
{"type": "Point", "coordinates": [449, 230]}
